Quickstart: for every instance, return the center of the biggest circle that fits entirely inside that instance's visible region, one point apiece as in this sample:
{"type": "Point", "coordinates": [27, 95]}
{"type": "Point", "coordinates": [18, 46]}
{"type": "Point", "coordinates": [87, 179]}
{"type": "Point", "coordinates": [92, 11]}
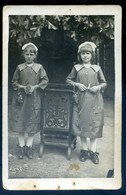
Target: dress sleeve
{"type": "Point", "coordinates": [102, 80]}
{"type": "Point", "coordinates": [71, 78]}
{"type": "Point", "coordinates": [43, 78]}
{"type": "Point", "coordinates": [15, 79]}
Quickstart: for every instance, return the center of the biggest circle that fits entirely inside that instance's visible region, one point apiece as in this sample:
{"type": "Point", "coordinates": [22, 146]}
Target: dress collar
{"type": "Point", "coordinates": [85, 65]}
{"type": "Point", "coordinates": [35, 67]}
{"type": "Point", "coordinates": [78, 67]}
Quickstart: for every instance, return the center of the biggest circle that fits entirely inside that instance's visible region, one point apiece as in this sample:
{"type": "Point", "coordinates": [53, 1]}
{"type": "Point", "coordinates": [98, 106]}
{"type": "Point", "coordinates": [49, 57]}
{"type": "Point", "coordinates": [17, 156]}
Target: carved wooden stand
{"type": "Point", "coordinates": [56, 118]}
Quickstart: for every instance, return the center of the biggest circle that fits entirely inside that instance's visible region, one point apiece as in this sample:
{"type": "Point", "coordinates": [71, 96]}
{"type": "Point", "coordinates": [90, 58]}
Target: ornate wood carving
{"type": "Point", "coordinates": [56, 110]}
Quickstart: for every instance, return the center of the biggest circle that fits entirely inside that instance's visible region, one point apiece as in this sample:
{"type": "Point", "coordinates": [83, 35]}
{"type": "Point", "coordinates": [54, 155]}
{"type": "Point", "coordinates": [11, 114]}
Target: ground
{"type": "Point", "coordinates": [54, 163]}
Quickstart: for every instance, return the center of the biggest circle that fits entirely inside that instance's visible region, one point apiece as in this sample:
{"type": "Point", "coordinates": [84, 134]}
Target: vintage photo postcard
{"type": "Point", "coordinates": [62, 97]}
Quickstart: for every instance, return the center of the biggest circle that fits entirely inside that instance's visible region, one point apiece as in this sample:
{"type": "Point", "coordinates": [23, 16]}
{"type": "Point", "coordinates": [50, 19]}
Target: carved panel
{"type": "Point", "coordinates": [56, 110]}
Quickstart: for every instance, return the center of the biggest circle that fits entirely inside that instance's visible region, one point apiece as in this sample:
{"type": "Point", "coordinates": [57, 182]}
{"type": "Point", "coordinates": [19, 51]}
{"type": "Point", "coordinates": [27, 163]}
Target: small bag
{"type": "Point", "coordinates": [19, 99]}
{"type": "Point", "coordinates": [75, 96]}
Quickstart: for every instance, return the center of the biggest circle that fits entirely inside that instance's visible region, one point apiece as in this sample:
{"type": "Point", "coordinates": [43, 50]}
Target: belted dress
{"type": "Point", "coordinates": [88, 113]}
{"type": "Point", "coordinates": [26, 116]}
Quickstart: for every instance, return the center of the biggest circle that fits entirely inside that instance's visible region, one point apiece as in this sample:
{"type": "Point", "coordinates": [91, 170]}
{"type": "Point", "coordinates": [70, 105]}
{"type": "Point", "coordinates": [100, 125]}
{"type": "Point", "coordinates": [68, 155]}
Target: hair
{"type": "Point", "coordinates": [80, 60]}
{"type": "Point", "coordinates": [31, 49]}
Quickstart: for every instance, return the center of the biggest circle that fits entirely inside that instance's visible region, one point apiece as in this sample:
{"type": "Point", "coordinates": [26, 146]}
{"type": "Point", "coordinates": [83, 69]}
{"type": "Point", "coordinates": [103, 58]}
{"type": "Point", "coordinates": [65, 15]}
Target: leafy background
{"type": "Point", "coordinates": [95, 28]}
{"type": "Point", "coordinates": [57, 38]}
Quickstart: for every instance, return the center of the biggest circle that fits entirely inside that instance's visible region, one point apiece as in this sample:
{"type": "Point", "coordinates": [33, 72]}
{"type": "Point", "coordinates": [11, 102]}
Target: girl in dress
{"type": "Point", "coordinates": [28, 80]}
{"type": "Point", "coordinates": [88, 113]}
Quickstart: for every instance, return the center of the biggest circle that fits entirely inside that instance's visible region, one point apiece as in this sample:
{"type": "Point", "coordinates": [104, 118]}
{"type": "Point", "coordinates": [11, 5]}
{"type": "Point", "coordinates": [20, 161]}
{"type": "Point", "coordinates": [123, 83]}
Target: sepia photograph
{"type": "Point", "coordinates": [62, 97]}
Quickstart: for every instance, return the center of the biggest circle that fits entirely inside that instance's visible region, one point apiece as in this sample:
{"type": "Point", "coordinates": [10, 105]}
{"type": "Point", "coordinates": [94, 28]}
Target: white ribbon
{"type": "Point", "coordinates": [24, 46]}
{"type": "Point", "coordinates": [87, 43]}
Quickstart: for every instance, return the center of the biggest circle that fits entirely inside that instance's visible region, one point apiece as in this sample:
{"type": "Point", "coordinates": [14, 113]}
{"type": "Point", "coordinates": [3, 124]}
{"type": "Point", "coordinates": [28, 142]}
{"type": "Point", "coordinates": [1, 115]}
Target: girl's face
{"type": "Point", "coordinates": [86, 56]}
{"type": "Point", "coordinates": [29, 56]}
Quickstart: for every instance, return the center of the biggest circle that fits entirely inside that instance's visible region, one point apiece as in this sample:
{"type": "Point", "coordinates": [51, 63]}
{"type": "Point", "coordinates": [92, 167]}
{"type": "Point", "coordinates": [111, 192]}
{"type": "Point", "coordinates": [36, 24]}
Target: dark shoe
{"type": "Point", "coordinates": [20, 152]}
{"type": "Point", "coordinates": [94, 157]}
{"type": "Point", "coordinates": [83, 155]}
{"type": "Point", "coordinates": [110, 173]}
{"type": "Point", "coordinates": [29, 152]}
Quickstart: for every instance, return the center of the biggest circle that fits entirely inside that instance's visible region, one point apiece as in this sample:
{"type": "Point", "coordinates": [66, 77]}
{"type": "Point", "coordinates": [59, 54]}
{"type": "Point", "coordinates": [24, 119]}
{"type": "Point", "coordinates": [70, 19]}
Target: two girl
{"type": "Point", "coordinates": [88, 113]}
{"type": "Point", "coordinates": [28, 80]}
{"type": "Point", "coordinates": [89, 82]}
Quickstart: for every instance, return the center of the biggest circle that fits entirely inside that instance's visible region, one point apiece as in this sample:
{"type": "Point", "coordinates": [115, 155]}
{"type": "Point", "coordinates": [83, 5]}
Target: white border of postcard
{"type": "Point", "coordinates": [61, 183]}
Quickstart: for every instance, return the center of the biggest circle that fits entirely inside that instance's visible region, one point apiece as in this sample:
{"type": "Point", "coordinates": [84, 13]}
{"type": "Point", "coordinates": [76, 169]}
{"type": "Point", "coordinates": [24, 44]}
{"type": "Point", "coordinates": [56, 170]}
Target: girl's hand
{"type": "Point", "coordinates": [29, 89]}
{"type": "Point", "coordinates": [33, 88]}
{"type": "Point", "coordinates": [80, 86]}
{"type": "Point", "coordinates": [21, 87]}
{"type": "Point", "coordinates": [95, 89]}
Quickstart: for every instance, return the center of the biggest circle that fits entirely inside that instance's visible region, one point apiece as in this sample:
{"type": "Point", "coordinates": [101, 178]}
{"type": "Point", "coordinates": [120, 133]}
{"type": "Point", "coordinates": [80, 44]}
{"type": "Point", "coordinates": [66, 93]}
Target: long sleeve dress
{"type": "Point", "coordinates": [88, 114]}
{"type": "Point", "coordinates": [26, 116]}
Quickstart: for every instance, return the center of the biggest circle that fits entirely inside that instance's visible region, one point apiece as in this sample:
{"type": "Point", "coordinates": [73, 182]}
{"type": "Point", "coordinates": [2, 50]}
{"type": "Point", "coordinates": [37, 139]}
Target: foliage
{"type": "Point", "coordinates": [95, 28]}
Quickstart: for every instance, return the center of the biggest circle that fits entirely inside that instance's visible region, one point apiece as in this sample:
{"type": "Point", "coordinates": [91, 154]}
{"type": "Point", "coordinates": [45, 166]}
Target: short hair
{"type": "Point", "coordinates": [31, 49]}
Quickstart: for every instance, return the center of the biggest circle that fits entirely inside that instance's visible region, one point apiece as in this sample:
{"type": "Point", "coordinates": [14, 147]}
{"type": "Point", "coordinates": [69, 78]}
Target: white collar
{"type": "Point", "coordinates": [87, 65]}
{"type": "Point", "coordinates": [29, 65]}
{"type": "Point", "coordinates": [95, 67]}
{"type": "Point", "coordinates": [35, 67]}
